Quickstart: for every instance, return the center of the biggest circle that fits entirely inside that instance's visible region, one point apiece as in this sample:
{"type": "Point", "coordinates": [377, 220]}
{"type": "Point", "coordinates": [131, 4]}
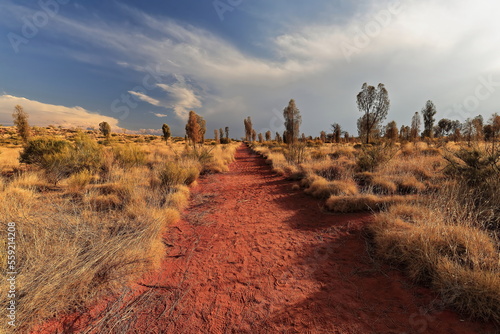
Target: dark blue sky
{"type": "Point", "coordinates": [141, 64]}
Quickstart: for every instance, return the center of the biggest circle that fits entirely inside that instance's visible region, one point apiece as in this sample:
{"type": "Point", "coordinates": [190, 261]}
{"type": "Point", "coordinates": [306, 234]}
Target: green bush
{"type": "Point", "coordinates": [60, 159]}
{"type": "Point", "coordinates": [38, 147]}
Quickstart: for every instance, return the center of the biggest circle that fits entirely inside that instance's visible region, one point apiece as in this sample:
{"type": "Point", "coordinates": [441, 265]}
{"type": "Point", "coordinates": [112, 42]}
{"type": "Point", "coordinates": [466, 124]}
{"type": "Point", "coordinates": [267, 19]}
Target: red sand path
{"type": "Point", "coordinates": [254, 256]}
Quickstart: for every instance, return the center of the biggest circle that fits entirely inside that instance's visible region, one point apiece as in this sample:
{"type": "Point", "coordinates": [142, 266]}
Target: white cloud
{"type": "Point", "coordinates": [42, 114]}
{"type": "Point", "coordinates": [184, 98]}
{"type": "Point", "coordinates": [159, 115]}
{"type": "Point", "coordinates": [145, 98]}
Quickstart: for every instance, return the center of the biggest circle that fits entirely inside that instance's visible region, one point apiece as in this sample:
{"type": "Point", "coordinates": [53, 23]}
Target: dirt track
{"type": "Point", "coordinates": [254, 256]}
{"type": "Point", "coordinates": [251, 255]}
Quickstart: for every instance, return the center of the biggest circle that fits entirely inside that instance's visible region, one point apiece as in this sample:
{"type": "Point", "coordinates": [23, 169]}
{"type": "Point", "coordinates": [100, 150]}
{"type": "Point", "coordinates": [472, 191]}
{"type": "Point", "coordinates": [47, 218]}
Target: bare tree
{"type": "Point", "coordinates": [21, 122]}
{"type": "Point", "coordinates": [261, 138]}
{"type": "Point", "coordinates": [254, 135]}
{"type": "Point", "coordinates": [227, 132]}
{"type": "Point", "coordinates": [292, 122]}
{"type": "Point", "coordinates": [374, 103]}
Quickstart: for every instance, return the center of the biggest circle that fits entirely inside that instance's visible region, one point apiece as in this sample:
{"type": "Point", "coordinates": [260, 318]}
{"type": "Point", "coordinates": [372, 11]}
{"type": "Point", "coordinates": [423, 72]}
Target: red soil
{"type": "Point", "coordinates": [254, 256]}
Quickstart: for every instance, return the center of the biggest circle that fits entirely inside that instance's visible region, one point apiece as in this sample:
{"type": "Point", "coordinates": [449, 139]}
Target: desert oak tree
{"type": "Point", "coordinates": [374, 103]}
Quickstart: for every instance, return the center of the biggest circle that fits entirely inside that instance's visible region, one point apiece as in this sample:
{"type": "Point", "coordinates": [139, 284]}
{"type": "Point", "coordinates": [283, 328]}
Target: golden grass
{"type": "Point", "coordinates": [460, 261]}
{"type": "Point", "coordinates": [79, 181]}
{"type": "Point", "coordinates": [9, 158]}
{"type": "Point", "coordinates": [322, 188]}
{"type": "Point", "coordinates": [32, 180]}
{"type": "Point", "coordinates": [363, 202]}
{"type": "Point", "coordinates": [92, 235]}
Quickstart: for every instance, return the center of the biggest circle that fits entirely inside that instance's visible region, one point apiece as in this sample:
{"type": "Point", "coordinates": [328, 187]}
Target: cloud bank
{"type": "Point", "coordinates": [42, 114]}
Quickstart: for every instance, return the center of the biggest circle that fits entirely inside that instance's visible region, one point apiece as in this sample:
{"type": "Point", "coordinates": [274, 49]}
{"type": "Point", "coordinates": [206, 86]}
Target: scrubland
{"type": "Point", "coordinates": [436, 205]}
{"type": "Point", "coordinates": [90, 213]}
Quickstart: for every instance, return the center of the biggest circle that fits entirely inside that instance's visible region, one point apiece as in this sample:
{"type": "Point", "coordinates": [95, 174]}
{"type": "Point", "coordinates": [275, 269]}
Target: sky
{"type": "Point", "coordinates": [138, 65]}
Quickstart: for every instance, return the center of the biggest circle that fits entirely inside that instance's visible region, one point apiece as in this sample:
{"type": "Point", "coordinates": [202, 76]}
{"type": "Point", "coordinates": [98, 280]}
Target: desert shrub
{"type": "Point", "coordinates": [474, 166]}
{"type": "Point", "coordinates": [225, 141]}
{"type": "Point", "coordinates": [296, 153]}
{"type": "Point", "coordinates": [372, 157]}
{"type": "Point", "coordinates": [60, 158]}
{"type": "Point", "coordinates": [84, 154]}
{"type": "Point", "coordinates": [129, 155]}
{"type": "Point", "coordinates": [38, 147]}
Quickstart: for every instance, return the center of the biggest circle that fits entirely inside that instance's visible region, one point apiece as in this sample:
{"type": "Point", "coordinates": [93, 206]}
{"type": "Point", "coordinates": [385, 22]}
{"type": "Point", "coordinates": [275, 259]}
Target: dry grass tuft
{"type": "Point", "coordinates": [460, 261]}
{"type": "Point", "coordinates": [322, 188]}
{"type": "Point", "coordinates": [79, 181]}
{"type": "Point", "coordinates": [363, 202]}
{"type": "Point", "coordinates": [472, 292]}
{"type": "Point", "coordinates": [410, 185]}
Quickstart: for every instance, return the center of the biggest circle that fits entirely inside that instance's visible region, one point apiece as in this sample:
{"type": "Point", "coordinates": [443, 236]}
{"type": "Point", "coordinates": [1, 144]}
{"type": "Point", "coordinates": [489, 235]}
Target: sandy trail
{"type": "Point", "coordinates": [253, 256]}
